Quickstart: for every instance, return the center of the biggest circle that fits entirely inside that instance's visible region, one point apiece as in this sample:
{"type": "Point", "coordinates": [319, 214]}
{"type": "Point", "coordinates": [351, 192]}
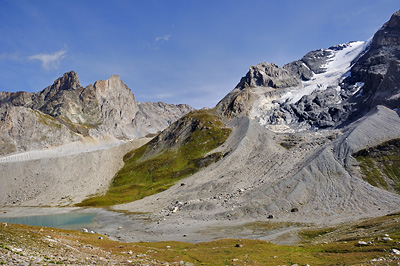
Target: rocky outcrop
{"type": "Point", "coordinates": [24, 129]}
{"type": "Point", "coordinates": [67, 100]}
{"type": "Point", "coordinates": [312, 63]}
{"type": "Point", "coordinates": [388, 91]}
{"type": "Point", "coordinates": [117, 109]}
{"type": "Point", "coordinates": [268, 75]}
{"type": "Point", "coordinates": [152, 118]}
{"type": "Point", "coordinates": [240, 100]}
{"type": "Point", "coordinates": [384, 47]}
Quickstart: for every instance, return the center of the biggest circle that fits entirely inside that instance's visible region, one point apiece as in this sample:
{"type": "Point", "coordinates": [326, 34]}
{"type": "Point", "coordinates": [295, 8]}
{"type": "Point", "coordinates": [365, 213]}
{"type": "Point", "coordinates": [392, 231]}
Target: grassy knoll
{"type": "Point", "coordinates": [380, 165]}
{"type": "Point", "coordinates": [55, 246]}
{"type": "Point", "coordinates": [179, 151]}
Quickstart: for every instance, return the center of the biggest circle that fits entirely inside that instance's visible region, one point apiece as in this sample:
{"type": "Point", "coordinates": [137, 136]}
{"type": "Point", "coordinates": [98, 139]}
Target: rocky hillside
{"type": "Point", "coordinates": [66, 112]}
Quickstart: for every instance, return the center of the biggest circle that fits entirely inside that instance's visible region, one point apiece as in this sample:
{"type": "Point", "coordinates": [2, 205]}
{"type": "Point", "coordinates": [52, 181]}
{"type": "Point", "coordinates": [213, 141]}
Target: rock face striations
{"type": "Point", "coordinates": [66, 111]}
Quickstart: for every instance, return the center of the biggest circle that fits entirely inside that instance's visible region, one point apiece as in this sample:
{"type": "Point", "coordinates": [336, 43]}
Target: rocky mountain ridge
{"type": "Point", "coordinates": [66, 111]}
{"type": "Point", "coordinates": [338, 85]}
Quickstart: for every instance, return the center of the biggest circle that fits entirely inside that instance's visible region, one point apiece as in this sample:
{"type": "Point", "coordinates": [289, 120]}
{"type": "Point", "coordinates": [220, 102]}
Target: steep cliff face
{"type": "Point", "coordinates": [117, 109]}
{"type": "Point", "coordinates": [22, 129]}
{"type": "Point", "coordinates": [388, 91]}
{"type": "Point", "coordinates": [152, 118]}
{"type": "Point", "coordinates": [67, 100]}
{"type": "Point", "coordinates": [66, 111]}
{"type": "Point", "coordinates": [384, 47]}
{"type": "Point", "coordinates": [377, 68]}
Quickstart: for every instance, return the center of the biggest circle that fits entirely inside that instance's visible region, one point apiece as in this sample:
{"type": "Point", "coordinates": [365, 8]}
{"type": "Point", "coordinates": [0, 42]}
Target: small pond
{"type": "Point", "coordinates": [62, 221]}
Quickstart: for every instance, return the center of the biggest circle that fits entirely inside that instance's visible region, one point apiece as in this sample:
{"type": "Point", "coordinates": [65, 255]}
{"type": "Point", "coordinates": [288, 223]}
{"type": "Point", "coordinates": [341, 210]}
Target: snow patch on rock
{"type": "Point", "coordinates": [336, 68]}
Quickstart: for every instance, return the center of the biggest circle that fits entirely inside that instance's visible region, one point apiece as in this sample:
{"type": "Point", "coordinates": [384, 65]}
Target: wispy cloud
{"type": "Point", "coordinates": [163, 38]}
{"type": "Point", "coordinates": [158, 41]}
{"type": "Point", "coordinates": [49, 61]}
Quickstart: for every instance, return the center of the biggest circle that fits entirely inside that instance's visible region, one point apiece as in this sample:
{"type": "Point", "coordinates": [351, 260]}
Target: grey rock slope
{"type": "Point", "coordinates": [60, 179]}
{"type": "Point", "coordinates": [66, 112]}
{"type": "Point", "coordinates": [260, 177]}
{"type": "Point", "coordinates": [315, 181]}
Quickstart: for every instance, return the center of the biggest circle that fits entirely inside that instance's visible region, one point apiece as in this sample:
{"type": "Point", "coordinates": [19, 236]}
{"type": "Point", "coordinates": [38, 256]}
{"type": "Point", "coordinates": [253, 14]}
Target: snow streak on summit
{"type": "Point", "coordinates": [336, 67]}
{"type": "Point", "coordinates": [333, 65]}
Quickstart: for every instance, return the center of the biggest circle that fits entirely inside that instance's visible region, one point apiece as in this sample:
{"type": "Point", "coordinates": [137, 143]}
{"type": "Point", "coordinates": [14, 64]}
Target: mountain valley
{"type": "Point", "coordinates": [302, 153]}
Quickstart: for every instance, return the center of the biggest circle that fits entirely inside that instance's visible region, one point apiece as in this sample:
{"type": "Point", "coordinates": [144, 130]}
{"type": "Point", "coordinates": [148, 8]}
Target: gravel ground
{"type": "Point", "coordinates": [61, 178]}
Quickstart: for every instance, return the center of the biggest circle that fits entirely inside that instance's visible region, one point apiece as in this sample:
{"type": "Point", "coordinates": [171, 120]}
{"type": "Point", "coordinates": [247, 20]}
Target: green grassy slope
{"type": "Point", "coordinates": [179, 151]}
{"type": "Point", "coordinates": [380, 165]}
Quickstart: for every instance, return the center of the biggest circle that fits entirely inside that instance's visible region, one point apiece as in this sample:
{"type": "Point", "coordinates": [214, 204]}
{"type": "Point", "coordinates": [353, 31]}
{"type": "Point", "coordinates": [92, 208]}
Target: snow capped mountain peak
{"type": "Point", "coordinates": [337, 65]}
{"type": "Point", "coordinates": [321, 71]}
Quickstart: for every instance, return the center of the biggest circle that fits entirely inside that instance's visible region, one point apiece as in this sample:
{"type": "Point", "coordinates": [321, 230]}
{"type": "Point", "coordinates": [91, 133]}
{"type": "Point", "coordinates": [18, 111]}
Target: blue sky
{"type": "Point", "coordinates": [176, 51]}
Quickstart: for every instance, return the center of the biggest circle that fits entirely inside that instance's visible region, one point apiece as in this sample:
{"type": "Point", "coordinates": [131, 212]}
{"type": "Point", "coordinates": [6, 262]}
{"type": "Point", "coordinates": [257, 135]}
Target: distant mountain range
{"type": "Point", "coordinates": [66, 112]}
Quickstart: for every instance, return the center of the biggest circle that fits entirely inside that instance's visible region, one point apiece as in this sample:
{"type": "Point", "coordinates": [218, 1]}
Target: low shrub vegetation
{"type": "Point", "coordinates": [380, 165]}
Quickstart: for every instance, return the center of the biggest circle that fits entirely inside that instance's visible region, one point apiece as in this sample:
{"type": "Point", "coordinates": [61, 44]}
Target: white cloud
{"type": "Point", "coordinates": [49, 61]}
{"type": "Point", "coordinates": [163, 38]}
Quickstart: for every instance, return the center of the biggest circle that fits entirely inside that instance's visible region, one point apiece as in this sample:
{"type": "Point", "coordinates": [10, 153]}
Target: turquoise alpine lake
{"type": "Point", "coordinates": [62, 221]}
